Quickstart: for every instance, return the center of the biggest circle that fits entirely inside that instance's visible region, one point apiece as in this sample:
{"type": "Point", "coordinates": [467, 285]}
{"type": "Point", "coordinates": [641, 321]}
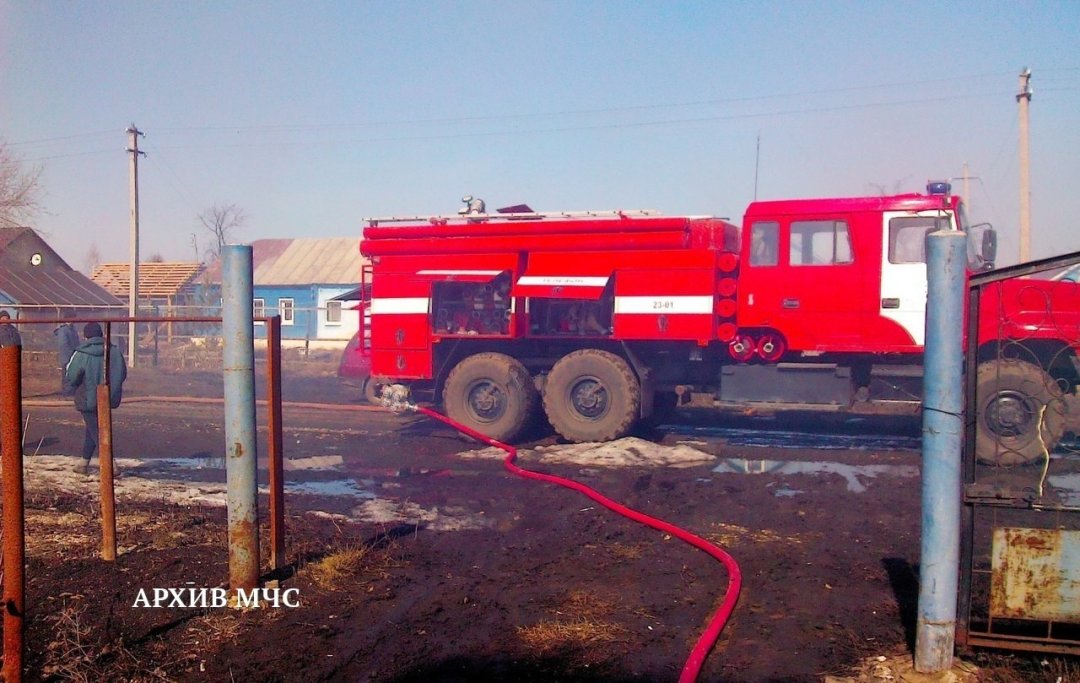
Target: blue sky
{"type": "Point", "coordinates": [312, 116]}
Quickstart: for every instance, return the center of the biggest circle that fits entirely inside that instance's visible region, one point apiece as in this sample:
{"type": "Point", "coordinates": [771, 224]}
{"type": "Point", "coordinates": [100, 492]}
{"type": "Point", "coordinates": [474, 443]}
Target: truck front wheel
{"type": "Point", "coordinates": [1020, 413]}
{"type": "Point", "coordinates": [592, 395]}
{"type": "Point", "coordinates": [491, 393]}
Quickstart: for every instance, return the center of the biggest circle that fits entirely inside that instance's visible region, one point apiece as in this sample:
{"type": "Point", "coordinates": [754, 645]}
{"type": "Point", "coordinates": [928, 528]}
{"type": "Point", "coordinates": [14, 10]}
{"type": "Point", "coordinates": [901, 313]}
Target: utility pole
{"type": "Point", "coordinates": [1024, 99]}
{"type": "Point", "coordinates": [967, 187]}
{"type": "Point", "coordinates": [967, 193]}
{"type": "Point", "coordinates": [133, 289]}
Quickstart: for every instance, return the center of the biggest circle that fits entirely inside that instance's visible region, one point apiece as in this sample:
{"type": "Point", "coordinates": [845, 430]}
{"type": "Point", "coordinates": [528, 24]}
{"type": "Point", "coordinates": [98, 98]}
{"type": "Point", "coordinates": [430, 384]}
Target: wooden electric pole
{"type": "Point", "coordinates": [133, 288]}
{"type": "Point", "coordinates": [1024, 99]}
{"type": "Point", "coordinates": [966, 195]}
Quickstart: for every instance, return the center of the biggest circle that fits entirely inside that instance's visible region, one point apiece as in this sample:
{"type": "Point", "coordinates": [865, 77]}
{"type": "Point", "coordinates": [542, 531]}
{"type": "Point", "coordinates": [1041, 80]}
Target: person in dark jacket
{"type": "Point", "coordinates": [67, 339]}
{"type": "Point", "coordinates": [9, 336]}
{"type": "Point", "coordinates": [85, 371]}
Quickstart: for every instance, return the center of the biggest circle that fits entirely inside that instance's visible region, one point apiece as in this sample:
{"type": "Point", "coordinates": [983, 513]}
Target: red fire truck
{"type": "Point", "coordinates": [596, 318]}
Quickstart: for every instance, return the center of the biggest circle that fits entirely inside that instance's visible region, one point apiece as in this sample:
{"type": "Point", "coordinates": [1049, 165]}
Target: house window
{"type": "Point", "coordinates": [819, 243]}
{"type": "Point", "coordinates": [285, 309]}
{"type": "Point", "coordinates": [258, 309]}
{"type": "Point", "coordinates": [333, 312]}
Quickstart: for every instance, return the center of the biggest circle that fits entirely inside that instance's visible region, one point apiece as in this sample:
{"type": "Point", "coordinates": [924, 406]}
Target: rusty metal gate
{"type": "Point", "coordinates": [1020, 517]}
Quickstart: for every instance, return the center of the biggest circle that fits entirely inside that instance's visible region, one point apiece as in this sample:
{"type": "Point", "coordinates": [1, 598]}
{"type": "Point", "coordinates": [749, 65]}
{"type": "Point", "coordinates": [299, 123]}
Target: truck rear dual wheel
{"type": "Point", "coordinates": [592, 395]}
{"type": "Point", "coordinates": [491, 393]}
{"type": "Point", "coordinates": [1020, 414]}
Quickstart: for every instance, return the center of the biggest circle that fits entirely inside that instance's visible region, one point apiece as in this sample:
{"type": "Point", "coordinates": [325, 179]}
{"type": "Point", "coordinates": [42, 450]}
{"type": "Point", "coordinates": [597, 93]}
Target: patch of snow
{"type": "Point", "coordinates": [626, 452]}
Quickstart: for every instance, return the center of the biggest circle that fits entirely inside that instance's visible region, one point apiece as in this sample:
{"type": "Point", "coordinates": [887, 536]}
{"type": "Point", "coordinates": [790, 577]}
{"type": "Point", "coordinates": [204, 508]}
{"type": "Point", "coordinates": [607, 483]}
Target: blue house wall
{"type": "Point", "coordinates": [305, 321]}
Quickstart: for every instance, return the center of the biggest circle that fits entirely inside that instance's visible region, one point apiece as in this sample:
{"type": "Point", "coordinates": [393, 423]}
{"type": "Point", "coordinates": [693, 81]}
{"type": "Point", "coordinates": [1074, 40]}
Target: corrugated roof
{"type": "Point", "coordinates": [33, 274]}
{"type": "Point", "coordinates": [155, 279]}
{"type": "Point", "coordinates": [55, 287]}
{"type": "Point", "coordinates": [302, 261]}
{"type": "Point", "coordinates": [323, 261]}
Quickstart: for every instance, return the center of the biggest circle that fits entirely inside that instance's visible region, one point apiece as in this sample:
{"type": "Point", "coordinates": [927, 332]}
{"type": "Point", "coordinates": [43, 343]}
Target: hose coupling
{"type": "Point", "coordinates": [396, 398]}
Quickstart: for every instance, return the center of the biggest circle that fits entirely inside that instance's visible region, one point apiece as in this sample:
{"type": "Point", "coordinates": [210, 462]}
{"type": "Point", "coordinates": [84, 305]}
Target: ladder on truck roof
{"type": "Point", "coordinates": [530, 216]}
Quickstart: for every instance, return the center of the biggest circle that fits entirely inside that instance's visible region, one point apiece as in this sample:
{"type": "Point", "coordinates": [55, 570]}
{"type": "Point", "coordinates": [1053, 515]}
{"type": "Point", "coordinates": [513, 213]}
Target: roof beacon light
{"type": "Point", "coordinates": [938, 187]}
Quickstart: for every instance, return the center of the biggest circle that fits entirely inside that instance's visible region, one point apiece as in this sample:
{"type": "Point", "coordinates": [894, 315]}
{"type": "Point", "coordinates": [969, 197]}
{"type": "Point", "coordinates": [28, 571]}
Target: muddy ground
{"type": "Point", "coordinates": [415, 560]}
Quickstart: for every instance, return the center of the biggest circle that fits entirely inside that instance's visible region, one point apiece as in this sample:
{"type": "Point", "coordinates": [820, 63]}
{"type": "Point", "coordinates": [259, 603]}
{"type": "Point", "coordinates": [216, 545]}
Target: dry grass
{"type": "Point", "coordinates": [51, 531]}
{"type": "Point", "coordinates": [582, 621]}
{"type": "Point", "coordinates": [73, 654]}
{"type": "Point", "coordinates": [731, 534]}
{"type": "Point", "coordinates": [212, 628]}
{"type": "Point", "coordinates": [341, 568]}
{"type": "Point", "coordinates": [625, 551]}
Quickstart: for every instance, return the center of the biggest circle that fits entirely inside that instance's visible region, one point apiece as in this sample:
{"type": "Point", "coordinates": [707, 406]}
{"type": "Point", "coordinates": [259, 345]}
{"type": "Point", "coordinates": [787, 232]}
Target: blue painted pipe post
{"type": "Point", "coordinates": [942, 439]}
{"type": "Point", "coordinates": [238, 355]}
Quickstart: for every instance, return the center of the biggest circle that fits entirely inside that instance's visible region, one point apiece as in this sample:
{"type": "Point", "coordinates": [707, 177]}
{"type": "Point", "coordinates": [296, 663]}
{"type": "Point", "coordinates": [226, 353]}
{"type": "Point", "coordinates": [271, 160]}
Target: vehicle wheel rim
{"type": "Point", "coordinates": [486, 401]}
{"type": "Point", "coordinates": [1011, 414]}
{"type": "Point", "coordinates": [589, 398]}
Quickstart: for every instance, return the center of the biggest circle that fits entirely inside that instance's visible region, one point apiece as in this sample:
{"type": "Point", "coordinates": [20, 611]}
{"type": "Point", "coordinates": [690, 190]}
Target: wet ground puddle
{"type": "Point", "coordinates": [854, 475]}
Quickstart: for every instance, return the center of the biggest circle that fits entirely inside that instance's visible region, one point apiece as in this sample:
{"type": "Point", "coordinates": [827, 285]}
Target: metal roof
{"type": "Point", "coordinates": [155, 279]}
{"type": "Point", "coordinates": [311, 260]}
{"type": "Point", "coordinates": [33, 274]}
{"type": "Point", "coordinates": [302, 261]}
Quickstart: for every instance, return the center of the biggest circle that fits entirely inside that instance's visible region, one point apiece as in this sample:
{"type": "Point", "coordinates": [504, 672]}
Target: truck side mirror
{"type": "Point", "coordinates": [989, 245]}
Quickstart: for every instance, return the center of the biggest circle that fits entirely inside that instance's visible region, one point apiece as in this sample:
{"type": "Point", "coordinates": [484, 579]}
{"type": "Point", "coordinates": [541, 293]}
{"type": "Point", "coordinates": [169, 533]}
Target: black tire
{"type": "Point", "coordinates": [592, 395]}
{"type": "Point", "coordinates": [491, 393]}
{"type": "Point", "coordinates": [1013, 399]}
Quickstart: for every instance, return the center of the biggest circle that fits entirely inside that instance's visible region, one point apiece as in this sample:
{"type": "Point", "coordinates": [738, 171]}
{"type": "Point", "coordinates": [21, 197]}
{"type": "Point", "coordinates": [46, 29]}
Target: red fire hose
{"type": "Point", "coordinates": [705, 643]}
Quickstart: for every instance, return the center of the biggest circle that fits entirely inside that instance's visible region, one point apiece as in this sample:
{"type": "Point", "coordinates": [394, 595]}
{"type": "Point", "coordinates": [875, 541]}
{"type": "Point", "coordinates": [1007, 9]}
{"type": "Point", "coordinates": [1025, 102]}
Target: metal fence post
{"type": "Point", "coordinates": [105, 467]}
{"type": "Point", "coordinates": [105, 456]}
{"type": "Point", "coordinates": [942, 440]}
{"type": "Point", "coordinates": [275, 442]}
{"type": "Point", "coordinates": [14, 516]}
{"type": "Point", "coordinates": [238, 356]}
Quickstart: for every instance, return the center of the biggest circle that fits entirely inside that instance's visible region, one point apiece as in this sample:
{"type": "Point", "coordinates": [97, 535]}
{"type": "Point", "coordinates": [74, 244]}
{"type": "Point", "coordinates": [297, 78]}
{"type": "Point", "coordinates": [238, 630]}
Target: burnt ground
{"type": "Point", "coordinates": [480, 575]}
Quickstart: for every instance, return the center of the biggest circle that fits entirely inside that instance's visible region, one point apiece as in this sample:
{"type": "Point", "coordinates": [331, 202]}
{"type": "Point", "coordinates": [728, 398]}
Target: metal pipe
{"type": "Point", "coordinates": [238, 356]}
{"type": "Point", "coordinates": [14, 516]}
{"type": "Point", "coordinates": [943, 433]}
{"type": "Point", "coordinates": [105, 463]}
{"type": "Point", "coordinates": [105, 456]}
{"type": "Point", "coordinates": [275, 442]}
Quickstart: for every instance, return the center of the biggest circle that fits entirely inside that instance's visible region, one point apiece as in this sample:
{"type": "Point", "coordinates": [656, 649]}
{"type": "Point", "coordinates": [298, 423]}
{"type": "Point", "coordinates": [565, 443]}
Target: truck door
{"type": "Point", "coordinates": [803, 278]}
{"type": "Point", "coordinates": [903, 273]}
{"type": "Point", "coordinates": [826, 285]}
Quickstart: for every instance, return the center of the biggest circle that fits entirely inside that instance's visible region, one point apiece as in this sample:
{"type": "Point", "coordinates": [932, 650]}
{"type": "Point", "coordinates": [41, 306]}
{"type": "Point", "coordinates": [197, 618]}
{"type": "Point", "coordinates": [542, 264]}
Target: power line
{"type": "Point", "coordinates": [590, 127]}
{"type": "Point", "coordinates": [73, 136]}
{"type": "Point", "coordinates": [178, 186]}
{"type": "Point", "coordinates": [73, 154]}
{"type": "Point", "coordinates": [573, 112]}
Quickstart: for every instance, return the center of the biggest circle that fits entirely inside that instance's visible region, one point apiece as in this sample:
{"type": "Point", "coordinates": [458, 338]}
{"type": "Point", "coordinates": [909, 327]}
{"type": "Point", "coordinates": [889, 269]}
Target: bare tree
{"type": "Point", "coordinates": [20, 188]}
{"type": "Point", "coordinates": [221, 221]}
{"type": "Point", "coordinates": [897, 186]}
{"type": "Point", "coordinates": [92, 258]}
